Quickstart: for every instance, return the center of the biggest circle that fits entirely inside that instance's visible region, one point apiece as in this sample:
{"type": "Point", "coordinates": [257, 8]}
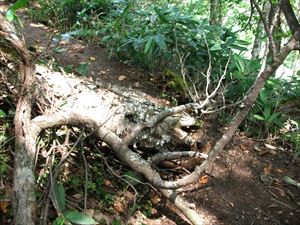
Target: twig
{"type": "Point", "coordinates": [46, 49]}
{"type": "Point", "coordinates": [222, 108]}
{"type": "Point", "coordinates": [121, 177]}
{"type": "Point", "coordinates": [86, 176]}
{"type": "Point", "coordinates": [282, 203]}
{"type": "Point", "coordinates": [182, 67]}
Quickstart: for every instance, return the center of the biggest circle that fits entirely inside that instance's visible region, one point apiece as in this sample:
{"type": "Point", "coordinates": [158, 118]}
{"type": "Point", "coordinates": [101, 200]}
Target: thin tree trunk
{"type": "Point", "coordinates": [215, 12]}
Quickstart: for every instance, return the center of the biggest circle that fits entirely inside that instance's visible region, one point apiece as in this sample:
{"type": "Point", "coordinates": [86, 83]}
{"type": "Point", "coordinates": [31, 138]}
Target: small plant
{"type": "Point", "coordinates": [267, 114]}
{"type": "Point", "coordinates": [67, 216]}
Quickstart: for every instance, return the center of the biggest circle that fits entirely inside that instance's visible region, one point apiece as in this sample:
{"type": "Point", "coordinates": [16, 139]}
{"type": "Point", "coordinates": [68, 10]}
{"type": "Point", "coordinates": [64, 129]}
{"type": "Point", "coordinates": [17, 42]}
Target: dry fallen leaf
{"type": "Point", "coordinates": [118, 206]}
{"type": "Point", "coordinates": [107, 182]}
{"type": "Point", "coordinates": [122, 77]}
{"type": "Point", "coordinates": [267, 170]}
{"type": "Point", "coordinates": [243, 146]}
{"type": "Point", "coordinates": [3, 206]}
{"type": "Point", "coordinates": [203, 179]}
{"type": "Point", "coordinates": [155, 198]}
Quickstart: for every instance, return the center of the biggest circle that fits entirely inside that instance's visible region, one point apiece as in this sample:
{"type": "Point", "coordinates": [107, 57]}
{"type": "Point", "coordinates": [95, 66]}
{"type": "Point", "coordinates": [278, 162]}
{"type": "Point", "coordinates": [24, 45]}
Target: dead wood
{"type": "Point", "coordinates": [121, 118]}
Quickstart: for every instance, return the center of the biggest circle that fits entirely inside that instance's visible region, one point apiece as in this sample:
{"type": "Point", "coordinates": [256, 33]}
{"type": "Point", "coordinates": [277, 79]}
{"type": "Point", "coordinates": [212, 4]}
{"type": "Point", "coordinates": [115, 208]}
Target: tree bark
{"type": "Point", "coordinates": [24, 201]}
{"type": "Point", "coordinates": [215, 16]}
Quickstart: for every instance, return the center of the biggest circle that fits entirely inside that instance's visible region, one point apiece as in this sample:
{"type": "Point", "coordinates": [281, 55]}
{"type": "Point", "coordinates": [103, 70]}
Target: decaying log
{"type": "Point", "coordinates": [117, 109]}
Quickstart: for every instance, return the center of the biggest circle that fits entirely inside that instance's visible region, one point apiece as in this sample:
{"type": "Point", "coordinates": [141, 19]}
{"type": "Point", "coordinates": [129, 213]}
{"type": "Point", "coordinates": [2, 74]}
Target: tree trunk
{"type": "Point", "coordinates": [24, 178]}
{"type": "Point", "coordinates": [215, 12]}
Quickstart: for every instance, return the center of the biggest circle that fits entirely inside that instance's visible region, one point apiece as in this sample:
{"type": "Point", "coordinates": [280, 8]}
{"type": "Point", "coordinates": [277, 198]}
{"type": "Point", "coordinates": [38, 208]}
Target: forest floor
{"type": "Point", "coordinates": [245, 185]}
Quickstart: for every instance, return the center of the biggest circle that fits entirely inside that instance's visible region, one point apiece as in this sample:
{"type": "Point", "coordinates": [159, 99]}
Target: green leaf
{"type": "Point", "coordinates": [116, 222]}
{"type": "Point", "coordinates": [160, 40]}
{"type": "Point", "coordinates": [274, 116]}
{"type": "Point", "coordinates": [79, 218]}
{"type": "Point", "coordinates": [10, 15]}
{"type": "Point", "coordinates": [148, 45]}
{"type": "Point", "coordinates": [258, 117]}
{"type": "Point", "coordinates": [267, 111]}
{"type": "Point", "coordinates": [2, 114]}
{"type": "Point", "coordinates": [238, 47]}
{"type": "Point", "coordinates": [239, 63]}
{"type": "Point", "coordinates": [216, 47]}
{"type": "Point", "coordinates": [59, 194]}
{"type": "Point", "coordinates": [59, 221]}
{"type": "Point", "coordinates": [83, 69]}
{"type": "Point", "coordinates": [59, 50]}
{"type": "Point", "coordinates": [133, 177]}
{"type": "Point", "coordinates": [263, 96]}
{"type": "Point", "coordinates": [18, 4]}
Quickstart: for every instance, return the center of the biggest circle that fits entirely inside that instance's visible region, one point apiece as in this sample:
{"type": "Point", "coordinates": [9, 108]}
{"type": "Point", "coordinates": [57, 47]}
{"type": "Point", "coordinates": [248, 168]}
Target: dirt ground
{"type": "Point", "coordinates": [245, 185]}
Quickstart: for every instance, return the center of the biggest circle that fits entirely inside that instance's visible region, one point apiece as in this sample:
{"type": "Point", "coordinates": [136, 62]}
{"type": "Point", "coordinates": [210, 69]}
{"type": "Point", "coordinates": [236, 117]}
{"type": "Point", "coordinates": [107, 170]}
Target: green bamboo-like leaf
{"type": "Point", "coordinates": [263, 96]}
{"type": "Point", "coordinates": [148, 45]}
{"type": "Point", "coordinates": [258, 117]}
{"type": "Point", "coordinates": [59, 194]}
{"type": "Point", "coordinates": [274, 116]}
{"type": "Point", "coordinates": [10, 15]}
{"type": "Point", "coordinates": [239, 63]}
{"type": "Point", "coordinates": [59, 221]}
{"type": "Point", "coordinates": [160, 40]}
{"type": "Point", "coordinates": [18, 4]}
{"type": "Point", "coordinates": [267, 111]}
{"type": "Point", "coordinates": [79, 218]}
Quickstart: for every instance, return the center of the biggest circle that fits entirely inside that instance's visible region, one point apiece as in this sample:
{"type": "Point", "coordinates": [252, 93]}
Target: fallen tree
{"type": "Point", "coordinates": [120, 118]}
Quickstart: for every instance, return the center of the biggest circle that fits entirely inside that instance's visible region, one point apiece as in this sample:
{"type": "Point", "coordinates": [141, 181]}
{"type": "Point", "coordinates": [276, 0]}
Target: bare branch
{"type": "Point", "coordinates": [175, 155]}
{"type": "Point", "coordinates": [222, 108]}
{"type": "Point", "coordinates": [208, 72]}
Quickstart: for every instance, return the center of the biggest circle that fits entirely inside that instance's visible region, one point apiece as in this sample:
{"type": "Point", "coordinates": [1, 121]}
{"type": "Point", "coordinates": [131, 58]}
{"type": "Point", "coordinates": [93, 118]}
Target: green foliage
{"type": "Point", "coordinates": [59, 193]}
{"type": "Point", "coordinates": [4, 159]}
{"type": "Point", "coordinates": [82, 69]}
{"type": "Point", "coordinates": [152, 35]}
{"type": "Point", "coordinates": [2, 114]}
{"type": "Point", "coordinates": [67, 215]}
{"type": "Point", "coordinates": [155, 36]}
{"type": "Point", "coordinates": [78, 218]}
{"type": "Point", "coordinates": [67, 13]}
{"type": "Point", "coordinates": [11, 12]}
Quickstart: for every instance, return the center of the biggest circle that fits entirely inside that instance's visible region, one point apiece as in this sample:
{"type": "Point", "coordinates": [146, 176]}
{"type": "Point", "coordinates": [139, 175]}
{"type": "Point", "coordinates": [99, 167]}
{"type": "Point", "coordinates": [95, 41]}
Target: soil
{"type": "Point", "coordinates": [245, 185]}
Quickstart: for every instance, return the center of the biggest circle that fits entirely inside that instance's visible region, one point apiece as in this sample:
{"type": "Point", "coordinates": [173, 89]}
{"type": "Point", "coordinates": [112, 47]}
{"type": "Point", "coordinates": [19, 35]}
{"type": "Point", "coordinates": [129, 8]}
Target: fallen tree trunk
{"type": "Point", "coordinates": [120, 118]}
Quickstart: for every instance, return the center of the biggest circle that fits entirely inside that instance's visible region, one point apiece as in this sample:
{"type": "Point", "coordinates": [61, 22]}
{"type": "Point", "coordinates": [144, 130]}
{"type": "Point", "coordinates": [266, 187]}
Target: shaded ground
{"type": "Point", "coordinates": [244, 187]}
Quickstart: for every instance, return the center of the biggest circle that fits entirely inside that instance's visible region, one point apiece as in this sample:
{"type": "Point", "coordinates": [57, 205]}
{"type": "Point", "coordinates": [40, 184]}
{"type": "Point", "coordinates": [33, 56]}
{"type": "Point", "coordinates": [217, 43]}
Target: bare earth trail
{"type": "Point", "coordinates": [245, 186]}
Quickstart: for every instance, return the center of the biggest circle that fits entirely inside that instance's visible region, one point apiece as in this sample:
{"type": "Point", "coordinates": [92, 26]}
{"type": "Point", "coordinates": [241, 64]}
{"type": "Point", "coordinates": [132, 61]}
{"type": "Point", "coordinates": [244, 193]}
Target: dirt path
{"type": "Point", "coordinates": [245, 186]}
